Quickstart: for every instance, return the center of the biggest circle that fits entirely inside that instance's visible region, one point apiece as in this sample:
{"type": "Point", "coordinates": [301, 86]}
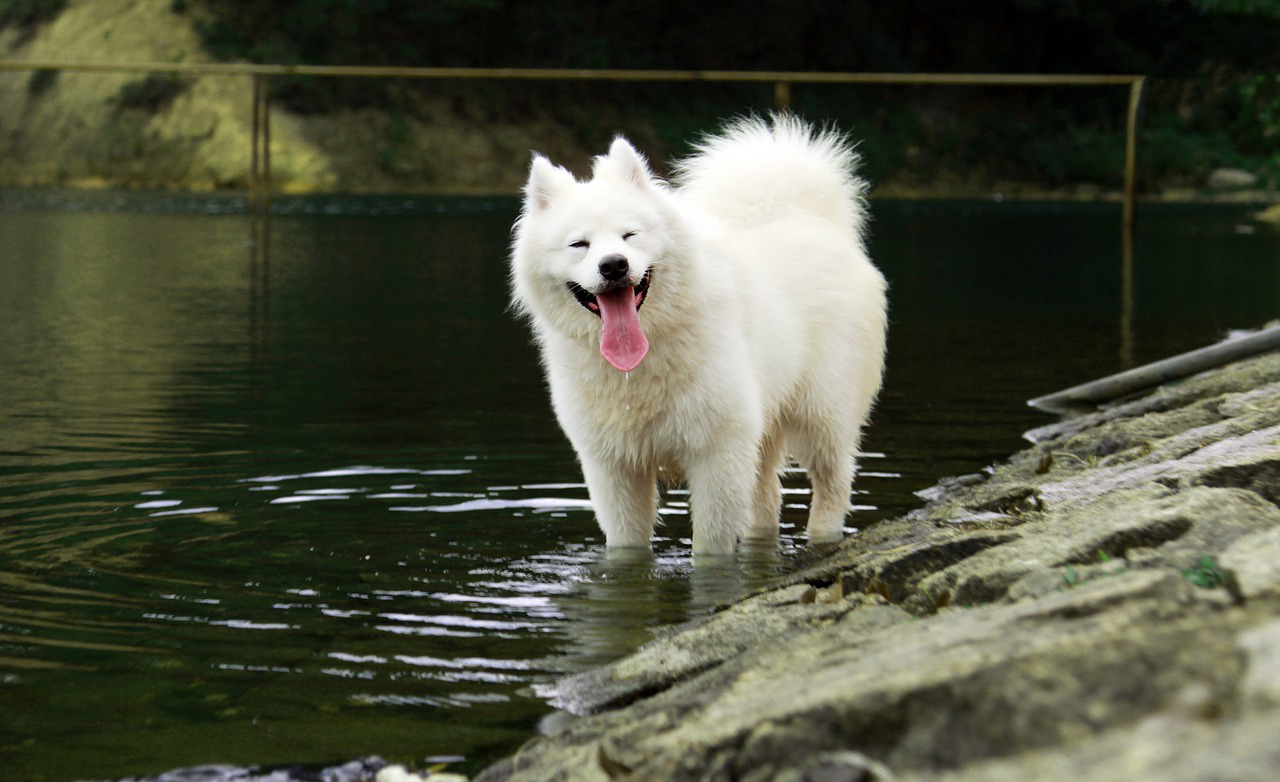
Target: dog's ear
{"type": "Point", "coordinates": [624, 161]}
{"type": "Point", "coordinates": [546, 179]}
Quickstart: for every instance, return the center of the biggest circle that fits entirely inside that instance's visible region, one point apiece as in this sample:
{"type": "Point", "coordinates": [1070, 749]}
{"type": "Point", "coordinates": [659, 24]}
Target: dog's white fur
{"type": "Point", "coordinates": [765, 318]}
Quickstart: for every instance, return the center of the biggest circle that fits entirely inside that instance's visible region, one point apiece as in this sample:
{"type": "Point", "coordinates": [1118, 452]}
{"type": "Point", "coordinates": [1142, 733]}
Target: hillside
{"type": "Point", "coordinates": [194, 133]}
{"type": "Point", "coordinates": [67, 128]}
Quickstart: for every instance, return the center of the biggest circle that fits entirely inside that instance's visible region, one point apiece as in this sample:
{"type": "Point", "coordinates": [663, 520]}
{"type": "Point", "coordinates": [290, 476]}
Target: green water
{"type": "Point", "coordinates": [290, 492]}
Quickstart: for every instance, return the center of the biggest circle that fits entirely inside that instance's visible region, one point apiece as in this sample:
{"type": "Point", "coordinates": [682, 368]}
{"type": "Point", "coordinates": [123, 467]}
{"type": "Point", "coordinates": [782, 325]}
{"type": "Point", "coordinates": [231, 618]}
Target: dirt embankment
{"type": "Point", "coordinates": [195, 132]}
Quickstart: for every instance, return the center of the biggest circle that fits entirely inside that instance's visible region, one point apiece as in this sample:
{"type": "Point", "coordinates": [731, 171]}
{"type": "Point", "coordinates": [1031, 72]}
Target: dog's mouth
{"type": "Point", "coordinates": [622, 340]}
{"type": "Point", "coordinates": [588, 299]}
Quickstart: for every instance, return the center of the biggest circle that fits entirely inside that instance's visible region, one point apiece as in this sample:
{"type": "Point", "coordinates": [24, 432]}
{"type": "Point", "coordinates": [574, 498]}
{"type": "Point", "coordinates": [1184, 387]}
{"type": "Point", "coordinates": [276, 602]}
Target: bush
{"type": "Point", "coordinates": [41, 81]}
{"type": "Point", "coordinates": [1219, 103]}
{"type": "Point", "coordinates": [152, 93]}
{"type": "Point", "coordinates": [28, 14]}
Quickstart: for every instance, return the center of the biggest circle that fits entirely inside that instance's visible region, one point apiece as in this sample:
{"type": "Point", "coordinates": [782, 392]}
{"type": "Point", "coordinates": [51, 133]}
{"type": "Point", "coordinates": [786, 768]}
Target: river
{"type": "Point", "coordinates": [289, 491]}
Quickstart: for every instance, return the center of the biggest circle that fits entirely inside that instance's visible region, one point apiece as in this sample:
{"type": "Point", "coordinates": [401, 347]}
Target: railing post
{"type": "Point", "coordinates": [253, 148]}
{"type": "Point", "coordinates": [260, 155]}
{"type": "Point", "coordinates": [1131, 152]}
{"type": "Point", "coordinates": [782, 95]}
{"type": "Point", "coordinates": [266, 145]}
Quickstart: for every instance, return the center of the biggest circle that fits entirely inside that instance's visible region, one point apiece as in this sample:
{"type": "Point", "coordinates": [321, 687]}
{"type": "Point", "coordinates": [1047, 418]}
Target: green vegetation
{"type": "Point", "coordinates": [151, 93]}
{"type": "Point", "coordinates": [1213, 96]}
{"type": "Point", "coordinates": [41, 81]}
{"type": "Point", "coordinates": [1206, 574]}
{"type": "Point", "coordinates": [1213, 100]}
{"type": "Point", "coordinates": [1071, 577]}
{"type": "Point", "coordinates": [29, 13]}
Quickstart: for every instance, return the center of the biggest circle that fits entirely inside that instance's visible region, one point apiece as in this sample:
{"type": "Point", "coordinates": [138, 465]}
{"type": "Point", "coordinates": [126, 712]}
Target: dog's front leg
{"type": "Point", "coordinates": [720, 498]}
{"type": "Point", "coordinates": [625, 499]}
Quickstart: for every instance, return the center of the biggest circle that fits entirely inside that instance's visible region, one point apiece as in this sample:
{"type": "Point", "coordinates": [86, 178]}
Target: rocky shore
{"type": "Point", "coordinates": [1105, 605]}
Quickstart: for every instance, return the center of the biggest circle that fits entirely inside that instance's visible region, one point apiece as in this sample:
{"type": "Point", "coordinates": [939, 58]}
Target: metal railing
{"type": "Point", "coordinates": [782, 81]}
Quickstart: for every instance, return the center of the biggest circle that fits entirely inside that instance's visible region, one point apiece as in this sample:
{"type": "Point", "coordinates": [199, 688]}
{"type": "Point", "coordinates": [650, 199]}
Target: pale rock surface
{"type": "Point", "coordinates": [1104, 605]}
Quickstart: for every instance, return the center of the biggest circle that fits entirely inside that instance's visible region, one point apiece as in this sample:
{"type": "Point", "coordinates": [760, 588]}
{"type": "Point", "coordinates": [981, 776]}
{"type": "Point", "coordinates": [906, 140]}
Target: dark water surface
{"type": "Point", "coordinates": [292, 493]}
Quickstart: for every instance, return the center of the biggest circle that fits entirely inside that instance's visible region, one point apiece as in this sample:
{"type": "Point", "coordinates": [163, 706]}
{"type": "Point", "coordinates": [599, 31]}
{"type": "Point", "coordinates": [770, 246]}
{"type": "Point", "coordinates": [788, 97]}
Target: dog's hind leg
{"type": "Point", "coordinates": [830, 465]}
{"type": "Point", "coordinates": [625, 499]}
{"type": "Point", "coordinates": [767, 504]}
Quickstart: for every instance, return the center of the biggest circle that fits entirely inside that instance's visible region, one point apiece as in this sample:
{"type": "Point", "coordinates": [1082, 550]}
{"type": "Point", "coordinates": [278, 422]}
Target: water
{"type": "Point", "coordinates": [291, 492]}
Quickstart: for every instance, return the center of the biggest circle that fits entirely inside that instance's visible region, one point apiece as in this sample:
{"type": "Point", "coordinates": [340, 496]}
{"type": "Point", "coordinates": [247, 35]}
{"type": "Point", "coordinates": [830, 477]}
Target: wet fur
{"type": "Point", "coordinates": [765, 319]}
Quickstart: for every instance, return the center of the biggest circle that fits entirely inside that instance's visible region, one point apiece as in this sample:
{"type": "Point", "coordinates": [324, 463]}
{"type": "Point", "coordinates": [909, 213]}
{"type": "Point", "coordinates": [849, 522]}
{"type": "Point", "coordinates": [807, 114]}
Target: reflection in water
{"type": "Point", "coordinates": [301, 498]}
{"type": "Point", "coordinates": [259, 288]}
{"type": "Point", "coordinates": [622, 596]}
{"type": "Point", "coordinates": [1126, 296]}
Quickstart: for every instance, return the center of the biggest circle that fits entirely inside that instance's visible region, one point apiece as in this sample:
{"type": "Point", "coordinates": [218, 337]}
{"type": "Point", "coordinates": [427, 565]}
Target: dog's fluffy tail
{"type": "Point", "coordinates": [756, 167]}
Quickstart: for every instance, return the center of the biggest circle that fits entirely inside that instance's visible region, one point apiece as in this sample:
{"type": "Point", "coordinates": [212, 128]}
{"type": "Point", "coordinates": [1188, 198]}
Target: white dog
{"type": "Point", "coordinates": [707, 329]}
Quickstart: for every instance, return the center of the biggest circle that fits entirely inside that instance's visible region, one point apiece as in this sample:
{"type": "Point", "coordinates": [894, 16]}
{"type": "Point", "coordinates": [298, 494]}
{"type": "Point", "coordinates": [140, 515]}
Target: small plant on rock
{"type": "Point", "coordinates": [1206, 574]}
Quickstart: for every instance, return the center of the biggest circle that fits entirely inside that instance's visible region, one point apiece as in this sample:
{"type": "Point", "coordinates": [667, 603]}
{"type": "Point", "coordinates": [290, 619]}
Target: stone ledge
{"type": "Point", "coordinates": [1103, 604]}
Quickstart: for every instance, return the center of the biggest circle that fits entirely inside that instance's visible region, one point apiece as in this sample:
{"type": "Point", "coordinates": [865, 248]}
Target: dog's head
{"type": "Point", "coordinates": [586, 253]}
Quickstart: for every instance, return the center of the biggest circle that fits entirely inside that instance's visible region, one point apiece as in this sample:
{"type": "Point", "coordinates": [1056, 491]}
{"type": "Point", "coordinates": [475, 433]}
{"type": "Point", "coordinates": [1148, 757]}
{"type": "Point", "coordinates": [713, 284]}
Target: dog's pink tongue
{"type": "Point", "coordinates": [622, 342]}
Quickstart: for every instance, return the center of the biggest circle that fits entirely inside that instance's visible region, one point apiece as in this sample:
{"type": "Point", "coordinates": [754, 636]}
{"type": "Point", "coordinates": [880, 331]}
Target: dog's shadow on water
{"type": "Point", "coordinates": [625, 598]}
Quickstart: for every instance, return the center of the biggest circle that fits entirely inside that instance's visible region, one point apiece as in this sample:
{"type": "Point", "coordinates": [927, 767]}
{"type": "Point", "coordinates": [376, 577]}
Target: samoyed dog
{"type": "Point", "coordinates": [708, 328]}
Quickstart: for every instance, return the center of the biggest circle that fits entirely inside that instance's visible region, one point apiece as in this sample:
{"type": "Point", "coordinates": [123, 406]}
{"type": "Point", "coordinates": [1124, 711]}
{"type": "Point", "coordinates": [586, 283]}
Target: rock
{"type": "Point", "coordinates": [1102, 605]}
{"type": "Point", "coordinates": [1231, 179]}
{"type": "Point", "coordinates": [1167, 746]}
{"type": "Point", "coordinates": [1255, 562]}
{"type": "Point", "coordinates": [397, 773]}
{"type": "Point", "coordinates": [701, 647]}
{"type": "Point", "coordinates": [1269, 215]}
{"type": "Point", "coordinates": [830, 767]}
{"type": "Point", "coordinates": [363, 770]}
{"type": "Point", "coordinates": [1260, 686]}
{"type": "Point", "coordinates": [944, 690]}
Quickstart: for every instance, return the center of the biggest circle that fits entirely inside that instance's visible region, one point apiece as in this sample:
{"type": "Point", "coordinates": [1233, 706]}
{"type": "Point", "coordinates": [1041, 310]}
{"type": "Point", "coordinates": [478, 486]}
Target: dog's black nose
{"type": "Point", "coordinates": [614, 267]}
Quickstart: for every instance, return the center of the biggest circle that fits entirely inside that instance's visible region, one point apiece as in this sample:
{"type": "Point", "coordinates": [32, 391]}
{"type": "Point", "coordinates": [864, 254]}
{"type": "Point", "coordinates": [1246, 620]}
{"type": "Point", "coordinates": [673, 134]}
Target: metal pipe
{"type": "Point", "coordinates": [1131, 152]}
{"type": "Point", "coordinates": [808, 77]}
{"type": "Point", "coordinates": [1157, 373]}
{"type": "Point", "coordinates": [782, 81]}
